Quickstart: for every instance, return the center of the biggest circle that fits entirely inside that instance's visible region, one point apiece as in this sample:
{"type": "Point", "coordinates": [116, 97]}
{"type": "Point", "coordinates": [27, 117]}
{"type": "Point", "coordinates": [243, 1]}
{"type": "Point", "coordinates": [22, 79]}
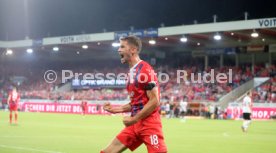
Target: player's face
{"type": "Point", "coordinates": [124, 52]}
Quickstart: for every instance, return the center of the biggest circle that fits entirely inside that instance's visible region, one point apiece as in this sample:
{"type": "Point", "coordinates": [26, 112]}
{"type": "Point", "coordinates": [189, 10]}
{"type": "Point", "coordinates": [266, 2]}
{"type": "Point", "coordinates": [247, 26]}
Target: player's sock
{"type": "Point", "coordinates": [183, 119]}
{"type": "Point", "coordinates": [15, 117]}
{"type": "Point", "coordinates": [244, 126]}
{"type": "Point", "coordinates": [248, 123]}
{"type": "Point", "coordinates": [10, 118]}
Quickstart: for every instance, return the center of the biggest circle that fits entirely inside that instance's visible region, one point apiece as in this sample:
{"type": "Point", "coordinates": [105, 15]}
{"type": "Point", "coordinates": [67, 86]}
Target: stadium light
{"type": "Point", "coordinates": [217, 36]}
{"type": "Point", "coordinates": [29, 50]}
{"type": "Point", "coordinates": [9, 52]}
{"type": "Point", "coordinates": [55, 49]}
{"type": "Point", "coordinates": [183, 39]}
{"type": "Point", "coordinates": [84, 47]}
{"type": "Point", "coordinates": [115, 44]}
{"type": "Point", "coordinates": [152, 42]}
{"type": "Point", "coordinates": [254, 34]}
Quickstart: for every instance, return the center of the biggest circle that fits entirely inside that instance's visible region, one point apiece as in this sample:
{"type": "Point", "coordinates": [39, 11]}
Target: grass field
{"type": "Point", "coordinates": [60, 133]}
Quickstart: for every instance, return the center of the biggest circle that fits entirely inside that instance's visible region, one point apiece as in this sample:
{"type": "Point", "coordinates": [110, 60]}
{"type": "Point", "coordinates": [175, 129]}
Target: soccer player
{"type": "Point", "coordinates": [84, 107]}
{"type": "Point", "coordinates": [247, 109]}
{"type": "Point", "coordinates": [144, 125]}
{"type": "Point", "coordinates": [12, 101]}
{"type": "Point", "coordinates": [183, 109]}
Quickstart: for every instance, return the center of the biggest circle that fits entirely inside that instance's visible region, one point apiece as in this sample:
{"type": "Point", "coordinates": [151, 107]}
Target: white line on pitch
{"type": "Point", "coordinates": [28, 149]}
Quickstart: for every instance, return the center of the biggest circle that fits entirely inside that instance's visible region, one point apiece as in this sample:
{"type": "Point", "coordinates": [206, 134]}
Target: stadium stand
{"type": "Point", "coordinates": [35, 87]}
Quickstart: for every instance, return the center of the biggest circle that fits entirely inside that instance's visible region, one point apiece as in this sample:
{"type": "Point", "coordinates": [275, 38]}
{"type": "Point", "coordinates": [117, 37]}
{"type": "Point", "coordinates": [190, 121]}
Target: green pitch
{"type": "Point", "coordinates": [63, 133]}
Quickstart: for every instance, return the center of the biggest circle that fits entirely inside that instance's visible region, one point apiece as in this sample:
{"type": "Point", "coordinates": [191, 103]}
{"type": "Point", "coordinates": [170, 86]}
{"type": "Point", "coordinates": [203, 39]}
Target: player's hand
{"type": "Point", "coordinates": [107, 107]}
{"type": "Point", "coordinates": [129, 120]}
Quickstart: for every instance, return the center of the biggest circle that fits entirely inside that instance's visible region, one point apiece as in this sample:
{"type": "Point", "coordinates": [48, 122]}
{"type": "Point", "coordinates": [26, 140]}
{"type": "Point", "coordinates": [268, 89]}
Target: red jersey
{"type": "Point", "coordinates": [14, 97]}
{"type": "Point", "coordinates": [139, 77]}
{"type": "Point", "coordinates": [84, 104]}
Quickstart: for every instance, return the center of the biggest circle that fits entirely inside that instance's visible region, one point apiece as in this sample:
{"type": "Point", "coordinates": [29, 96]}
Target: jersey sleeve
{"type": "Point", "coordinates": [148, 78]}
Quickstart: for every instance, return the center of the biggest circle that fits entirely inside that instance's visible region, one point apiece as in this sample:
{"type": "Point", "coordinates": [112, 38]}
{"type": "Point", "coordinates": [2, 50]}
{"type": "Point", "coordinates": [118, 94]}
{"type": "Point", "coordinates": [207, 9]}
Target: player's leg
{"type": "Point", "coordinates": [167, 114]}
{"type": "Point", "coordinates": [154, 140]}
{"type": "Point", "coordinates": [15, 116]}
{"type": "Point", "coordinates": [85, 111]}
{"type": "Point", "coordinates": [183, 119]}
{"type": "Point", "coordinates": [184, 115]}
{"type": "Point", "coordinates": [245, 125]}
{"type": "Point", "coordinates": [114, 147]}
{"type": "Point", "coordinates": [10, 116]}
{"type": "Point", "coordinates": [246, 121]}
{"type": "Point", "coordinates": [155, 143]}
{"type": "Point", "coordinates": [11, 109]}
{"type": "Point", "coordinates": [125, 139]}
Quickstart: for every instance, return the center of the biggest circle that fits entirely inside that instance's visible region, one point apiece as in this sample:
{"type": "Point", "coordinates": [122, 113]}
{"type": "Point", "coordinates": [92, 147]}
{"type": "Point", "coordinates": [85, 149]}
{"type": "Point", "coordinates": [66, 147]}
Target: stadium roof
{"type": "Point", "coordinates": [51, 23]}
{"type": "Point", "coordinates": [199, 37]}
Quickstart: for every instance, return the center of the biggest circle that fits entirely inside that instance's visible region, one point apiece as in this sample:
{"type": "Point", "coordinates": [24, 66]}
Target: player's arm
{"type": "Point", "coordinates": [119, 109]}
{"type": "Point", "coordinates": [152, 104]}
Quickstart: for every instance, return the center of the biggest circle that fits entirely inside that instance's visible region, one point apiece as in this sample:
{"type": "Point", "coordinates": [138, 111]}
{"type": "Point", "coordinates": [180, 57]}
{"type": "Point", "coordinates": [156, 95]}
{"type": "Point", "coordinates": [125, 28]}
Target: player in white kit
{"type": "Point", "coordinates": [247, 110]}
{"type": "Point", "coordinates": [183, 109]}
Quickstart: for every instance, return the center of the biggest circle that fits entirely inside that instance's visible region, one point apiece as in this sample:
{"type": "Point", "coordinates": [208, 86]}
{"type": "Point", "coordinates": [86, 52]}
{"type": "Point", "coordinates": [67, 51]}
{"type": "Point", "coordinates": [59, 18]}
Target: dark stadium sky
{"type": "Point", "coordinates": [42, 18]}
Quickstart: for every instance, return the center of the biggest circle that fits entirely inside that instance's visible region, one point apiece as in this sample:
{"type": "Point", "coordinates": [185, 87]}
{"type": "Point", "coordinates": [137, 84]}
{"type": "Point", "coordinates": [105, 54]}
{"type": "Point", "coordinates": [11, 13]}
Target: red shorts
{"type": "Point", "coordinates": [147, 132]}
{"type": "Point", "coordinates": [84, 109]}
{"type": "Point", "coordinates": [13, 107]}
